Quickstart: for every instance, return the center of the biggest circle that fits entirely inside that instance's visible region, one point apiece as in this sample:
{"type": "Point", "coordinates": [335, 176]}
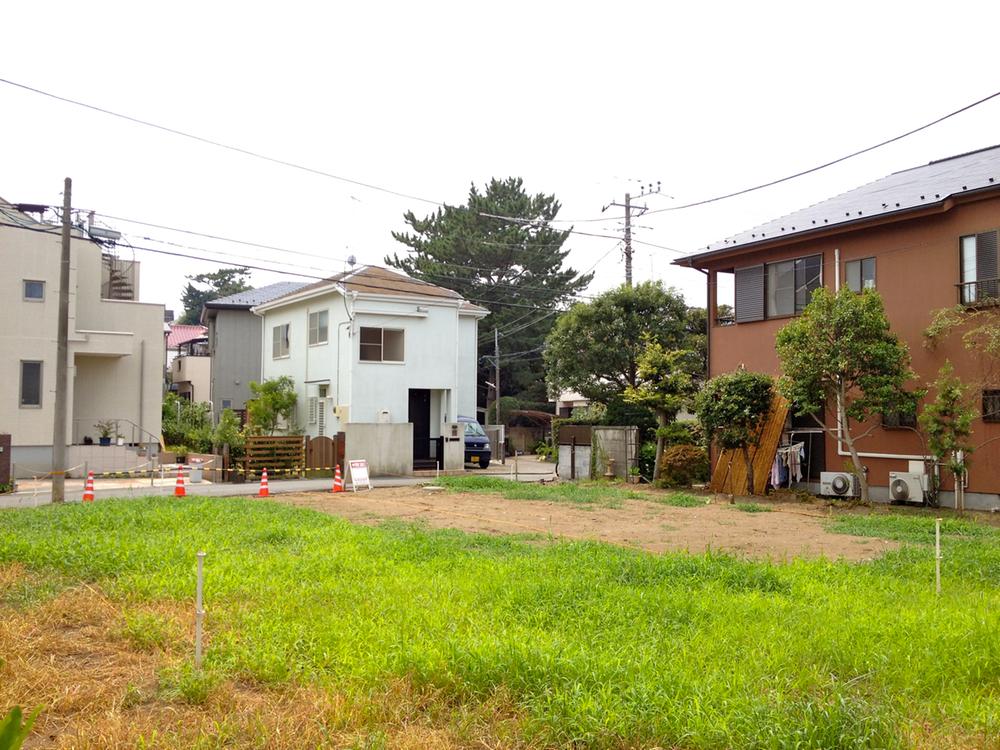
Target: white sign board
{"type": "Point", "coordinates": [359, 474]}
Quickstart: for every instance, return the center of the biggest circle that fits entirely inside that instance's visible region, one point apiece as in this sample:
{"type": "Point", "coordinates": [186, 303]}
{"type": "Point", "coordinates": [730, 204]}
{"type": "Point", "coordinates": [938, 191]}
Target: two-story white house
{"type": "Point", "coordinates": [115, 362]}
{"type": "Point", "coordinates": [372, 346]}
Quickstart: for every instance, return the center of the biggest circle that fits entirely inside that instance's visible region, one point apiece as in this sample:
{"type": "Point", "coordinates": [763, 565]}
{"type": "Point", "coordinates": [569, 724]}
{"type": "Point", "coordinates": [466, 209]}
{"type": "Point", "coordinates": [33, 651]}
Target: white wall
{"type": "Point", "coordinates": [129, 334]}
{"type": "Point", "coordinates": [440, 353]}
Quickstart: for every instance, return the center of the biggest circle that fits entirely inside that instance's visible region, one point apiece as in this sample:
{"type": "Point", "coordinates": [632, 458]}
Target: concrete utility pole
{"type": "Point", "coordinates": [496, 373]}
{"type": "Point", "coordinates": [62, 355]}
{"type": "Point", "coordinates": [627, 205]}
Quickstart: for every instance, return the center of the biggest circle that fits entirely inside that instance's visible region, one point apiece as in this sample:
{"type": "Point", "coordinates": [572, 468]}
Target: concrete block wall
{"type": "Point", "coordinates": [388, 448]}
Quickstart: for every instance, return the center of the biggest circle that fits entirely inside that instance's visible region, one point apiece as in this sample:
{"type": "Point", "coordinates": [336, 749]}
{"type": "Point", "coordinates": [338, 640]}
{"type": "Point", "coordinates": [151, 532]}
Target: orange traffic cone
{"type": "Point", "coordinates": [179, 490]}
{"type": "Point", "coordinates": [338, 481]}
{"type": "Point", "coordinates": [88, 488]}
{"type": "Point", "coordinates": [263, 484]}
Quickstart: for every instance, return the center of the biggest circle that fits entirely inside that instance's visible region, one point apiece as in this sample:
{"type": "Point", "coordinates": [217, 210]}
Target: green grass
{"type": "Point", "coordinates": [595, 494]}
{"type": "Point", "coordinates": [598, 646]}
{"type": "Point", "coordinates": [752, 508]}
{"type": "Point", "coordinates": [917, 528]}
{"type": "Point", "coordinates": [676, 499]}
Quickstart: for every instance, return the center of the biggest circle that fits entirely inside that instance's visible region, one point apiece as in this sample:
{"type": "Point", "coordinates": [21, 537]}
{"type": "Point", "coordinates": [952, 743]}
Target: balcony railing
{"type": "Point", "coordinates": [982, 292]}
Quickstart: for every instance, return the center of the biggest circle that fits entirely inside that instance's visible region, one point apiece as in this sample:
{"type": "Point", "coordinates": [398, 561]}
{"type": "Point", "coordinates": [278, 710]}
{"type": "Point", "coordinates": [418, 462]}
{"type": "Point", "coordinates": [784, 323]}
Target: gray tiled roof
{"type": "Point", "coordinates": [921, 186]}
{"type": "Point", "coordinates": [252, 297]}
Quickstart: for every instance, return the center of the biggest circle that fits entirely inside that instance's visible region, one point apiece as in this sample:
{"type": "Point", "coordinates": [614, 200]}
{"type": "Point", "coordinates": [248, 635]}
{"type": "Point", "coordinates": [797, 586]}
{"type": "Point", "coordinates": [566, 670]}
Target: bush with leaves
{"type": "Point", "coordinates": [14, 728]}
{"type": "Point", "coordinates": [186, 423]}
{"type": "Point", "coordinates": [229, 432]}
{"type": "Point", "coordinates": [272, 406]}
{"type": "Point", "coordinates": [682, 466]}
{"type": "Point", "coordinates": [731, 408]}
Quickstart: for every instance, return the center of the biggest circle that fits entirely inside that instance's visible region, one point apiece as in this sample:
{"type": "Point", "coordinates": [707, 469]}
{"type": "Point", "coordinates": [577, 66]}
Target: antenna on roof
{"type": "Point", "coordinates": [351, 260]}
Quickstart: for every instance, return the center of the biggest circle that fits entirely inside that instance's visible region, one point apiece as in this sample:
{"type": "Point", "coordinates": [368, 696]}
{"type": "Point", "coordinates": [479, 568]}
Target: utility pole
{"type": "Point", "coordinates": [496, 373]}
{"type": "Point", "coordinates": [627, 205]}
{"type": "Point", "coordinates": [62, 355]}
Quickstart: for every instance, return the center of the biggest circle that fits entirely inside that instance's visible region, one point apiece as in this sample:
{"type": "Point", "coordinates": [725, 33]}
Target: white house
{"type": "Point", "coordinates": [372, 346]}
{"type": "Point", "coordinates": [115, 362]}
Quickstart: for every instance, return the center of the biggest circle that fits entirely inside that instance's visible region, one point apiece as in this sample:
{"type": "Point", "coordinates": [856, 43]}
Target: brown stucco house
{"type": "Point", "coordinates": [926, 239]}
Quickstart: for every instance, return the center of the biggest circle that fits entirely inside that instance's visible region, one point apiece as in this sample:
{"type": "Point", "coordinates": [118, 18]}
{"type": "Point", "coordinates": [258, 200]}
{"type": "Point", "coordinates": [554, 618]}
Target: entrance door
{"type": "Point", "coordinates": [420, 417]}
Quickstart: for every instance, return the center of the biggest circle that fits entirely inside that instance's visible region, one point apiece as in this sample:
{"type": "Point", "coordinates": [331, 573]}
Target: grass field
{"type": "Point", "coordinates": [518, 644]}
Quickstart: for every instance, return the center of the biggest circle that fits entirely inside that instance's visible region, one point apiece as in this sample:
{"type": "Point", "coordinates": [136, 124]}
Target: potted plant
{"type": "Point", "coordinates": [105, 428]}
{"type": "Point", "coordinates": [634, 477]}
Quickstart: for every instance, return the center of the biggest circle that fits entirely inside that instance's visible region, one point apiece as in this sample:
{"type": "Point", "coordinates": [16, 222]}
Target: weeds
{"type": "Point", "coordinates": [752, 508]}
{"type": "Point", "coordinates": [676, 499]}
{"type": "Point", "coordinates": [592, 645]}
{"type": "Point", "coordinates": [595, 494]}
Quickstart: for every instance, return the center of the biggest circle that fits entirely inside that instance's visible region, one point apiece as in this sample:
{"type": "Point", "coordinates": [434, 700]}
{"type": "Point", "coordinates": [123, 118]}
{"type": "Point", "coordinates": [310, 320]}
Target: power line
{"type": "Point", "coordinates": [367, 284]}
{"type": "Point", "coordinates": [219, 144]}
{"type": "Point", "coordinates": [817, 168]}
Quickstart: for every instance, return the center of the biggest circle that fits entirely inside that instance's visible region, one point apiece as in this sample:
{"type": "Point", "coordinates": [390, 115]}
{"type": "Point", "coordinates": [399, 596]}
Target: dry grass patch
{"type": "Point", "coordinates": [113, 678]}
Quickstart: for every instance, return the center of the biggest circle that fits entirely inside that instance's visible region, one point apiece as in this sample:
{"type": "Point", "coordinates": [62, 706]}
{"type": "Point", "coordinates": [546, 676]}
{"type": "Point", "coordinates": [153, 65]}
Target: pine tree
{"type": "Point", "coordinates": [512, 268]}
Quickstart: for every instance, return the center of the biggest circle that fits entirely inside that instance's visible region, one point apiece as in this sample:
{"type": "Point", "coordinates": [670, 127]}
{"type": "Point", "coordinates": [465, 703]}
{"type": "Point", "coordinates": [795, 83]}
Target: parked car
{"type": "Point", "coordinates": [477, 444]}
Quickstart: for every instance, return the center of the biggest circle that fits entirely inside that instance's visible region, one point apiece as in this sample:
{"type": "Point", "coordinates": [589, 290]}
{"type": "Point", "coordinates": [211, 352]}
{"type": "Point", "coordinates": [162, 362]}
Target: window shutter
{"type": "Point", "coordinates": [986, 265]}
{"type": "Point", "coordinates": [749, 294]}
{"type": "Point", "coordinates": [321, 416]}
{"type": "Point", "coordinates": [313, 403]}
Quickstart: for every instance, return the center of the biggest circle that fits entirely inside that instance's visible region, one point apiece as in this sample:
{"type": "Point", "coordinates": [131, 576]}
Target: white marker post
{"type": "Point", "coordinates": [937, 555]}
{"type": "Point", "coordinates": [199, 612]}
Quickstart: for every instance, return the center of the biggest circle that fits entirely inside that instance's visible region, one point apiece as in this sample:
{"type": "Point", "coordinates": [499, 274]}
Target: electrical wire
{"type": "Point", "coordinates": [220, 144]}
{"type": "Point", "coordinates": [366, 284]}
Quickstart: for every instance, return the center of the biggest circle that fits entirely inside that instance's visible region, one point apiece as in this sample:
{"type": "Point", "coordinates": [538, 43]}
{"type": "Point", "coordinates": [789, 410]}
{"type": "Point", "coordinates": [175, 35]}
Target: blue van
{"type": "Point", "coordinates": [477, 444]}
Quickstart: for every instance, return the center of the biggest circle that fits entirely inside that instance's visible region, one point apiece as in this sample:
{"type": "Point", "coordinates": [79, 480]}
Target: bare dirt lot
{"type": "Point", "coordinates": [792, 529]}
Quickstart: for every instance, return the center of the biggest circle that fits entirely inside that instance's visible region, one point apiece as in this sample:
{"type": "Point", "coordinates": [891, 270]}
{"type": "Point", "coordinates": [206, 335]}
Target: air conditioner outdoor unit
{"type": "Point", "coordinates": [907, 486]}
{"type": "Point", "coordinates": [839, 484]}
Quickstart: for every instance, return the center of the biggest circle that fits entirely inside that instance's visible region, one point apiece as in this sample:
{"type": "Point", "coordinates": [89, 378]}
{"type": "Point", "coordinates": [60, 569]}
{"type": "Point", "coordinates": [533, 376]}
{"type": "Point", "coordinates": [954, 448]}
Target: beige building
{"type": "Point", "coordinates": [115, 361]}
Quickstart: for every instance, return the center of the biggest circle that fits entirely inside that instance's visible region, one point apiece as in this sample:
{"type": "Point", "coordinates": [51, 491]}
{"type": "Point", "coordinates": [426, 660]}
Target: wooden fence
{"type": "Point", "coordinates": [730, 475]}
{"type": "Point", "coordinates": [281, 455]}
{"type": "Point", "coordinates": [324, 453]}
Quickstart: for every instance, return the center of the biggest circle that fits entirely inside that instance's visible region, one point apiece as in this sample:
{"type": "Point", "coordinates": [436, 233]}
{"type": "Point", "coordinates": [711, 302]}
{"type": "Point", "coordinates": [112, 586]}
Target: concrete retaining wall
{"type": "Point", "coordinates": [619, 444]}
{"type": "Point", "coordinates": [388, 448]}
{"type": "Point", "coordinates": [582, 466]}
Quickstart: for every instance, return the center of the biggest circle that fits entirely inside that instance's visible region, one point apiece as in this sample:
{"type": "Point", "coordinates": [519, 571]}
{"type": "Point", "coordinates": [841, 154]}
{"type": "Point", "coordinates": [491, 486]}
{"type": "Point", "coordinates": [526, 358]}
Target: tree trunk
{"type": "Point", "coordinates": [845, 433]}
{"type": "Point", "coordinates": [749, 465]}
{"type": "Point", "coordinates": [661, 421]}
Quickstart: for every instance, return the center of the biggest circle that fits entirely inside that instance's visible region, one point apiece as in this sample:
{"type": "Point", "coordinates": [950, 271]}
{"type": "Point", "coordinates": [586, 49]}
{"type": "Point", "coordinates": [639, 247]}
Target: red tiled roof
{"type": "Point", "coordinates": [180, 334]}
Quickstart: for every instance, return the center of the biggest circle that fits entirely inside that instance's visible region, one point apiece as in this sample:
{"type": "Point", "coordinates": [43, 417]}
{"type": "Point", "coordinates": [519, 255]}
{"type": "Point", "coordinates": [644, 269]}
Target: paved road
{"type": "Point", "coordinates": [529, 470]}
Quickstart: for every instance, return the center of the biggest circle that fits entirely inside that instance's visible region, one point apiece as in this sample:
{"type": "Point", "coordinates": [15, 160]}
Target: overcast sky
{"type": "Point", "coordinates": [583, 100]}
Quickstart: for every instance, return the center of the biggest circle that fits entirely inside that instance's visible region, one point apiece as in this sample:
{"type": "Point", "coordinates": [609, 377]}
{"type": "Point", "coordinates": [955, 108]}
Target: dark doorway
{"type": "Point", "coordinates": [420, 417]}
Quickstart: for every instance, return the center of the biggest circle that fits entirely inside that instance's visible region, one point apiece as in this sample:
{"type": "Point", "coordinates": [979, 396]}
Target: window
{"type": "Point", "coordinates": [34, 290]}
{"type": "Point", "coordinates": [31, 383]}
{"type": "Point", "coordinates": [227, 403]}
{"type": "Point", "coordinates": [991, 405]}
{"type": "Point", "coordinates": [381, 345]}
{"type": "Point", "coordinates": [790, 284]}
{"type": "Point", "coordinates": [860, 274]}
{"type": "Point", "coordinates": [279, 344]}
{"type": "Point", "coordinates": [979, 268]}
{"type": "Point", "coordinates": [319, 327]}
{"type": "Point", "coordinates": [895, 420]}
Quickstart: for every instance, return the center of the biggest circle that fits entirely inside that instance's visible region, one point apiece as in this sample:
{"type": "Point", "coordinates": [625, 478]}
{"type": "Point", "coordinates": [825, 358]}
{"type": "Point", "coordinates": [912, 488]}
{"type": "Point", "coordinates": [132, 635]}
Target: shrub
{"type": "Point", "coordinates": [682, 433]}
{"type": "Point", "coordinates": [683, 465]}
{"type": "Point", "coordinates": [647, 457]}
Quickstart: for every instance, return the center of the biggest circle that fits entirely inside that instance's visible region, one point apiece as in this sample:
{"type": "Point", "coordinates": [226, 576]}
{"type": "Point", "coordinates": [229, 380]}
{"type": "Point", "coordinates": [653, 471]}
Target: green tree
{"type": "Point", "coordinates": [211, 286]}
{"type": "Point", "coordinates": [841, 351]}
{"type": "Point", "coordinates": [273, 403]}
{"type": "Point", "coordinates": [594, 347]}
{"type": "Point", "coordinates": [666, 384]}
{"type": "Point", "coordinates": [730, 408]}
{"type": "Point", "coordinates": [947, 420]}
{"type": "Point", "coordinates": [508, 267]}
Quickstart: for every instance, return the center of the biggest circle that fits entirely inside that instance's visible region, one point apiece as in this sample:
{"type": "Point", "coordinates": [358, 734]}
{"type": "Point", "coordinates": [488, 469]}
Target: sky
{"type": "Point", "coordinates": [583, 100]}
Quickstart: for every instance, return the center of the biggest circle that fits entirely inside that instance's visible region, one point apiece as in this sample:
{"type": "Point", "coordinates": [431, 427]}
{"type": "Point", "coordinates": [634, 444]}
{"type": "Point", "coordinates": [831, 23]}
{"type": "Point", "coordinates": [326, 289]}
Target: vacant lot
{"type": "Point", "coordinates": [325, 633]}
{"type": "Point", "coordinates": [649, 520]}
